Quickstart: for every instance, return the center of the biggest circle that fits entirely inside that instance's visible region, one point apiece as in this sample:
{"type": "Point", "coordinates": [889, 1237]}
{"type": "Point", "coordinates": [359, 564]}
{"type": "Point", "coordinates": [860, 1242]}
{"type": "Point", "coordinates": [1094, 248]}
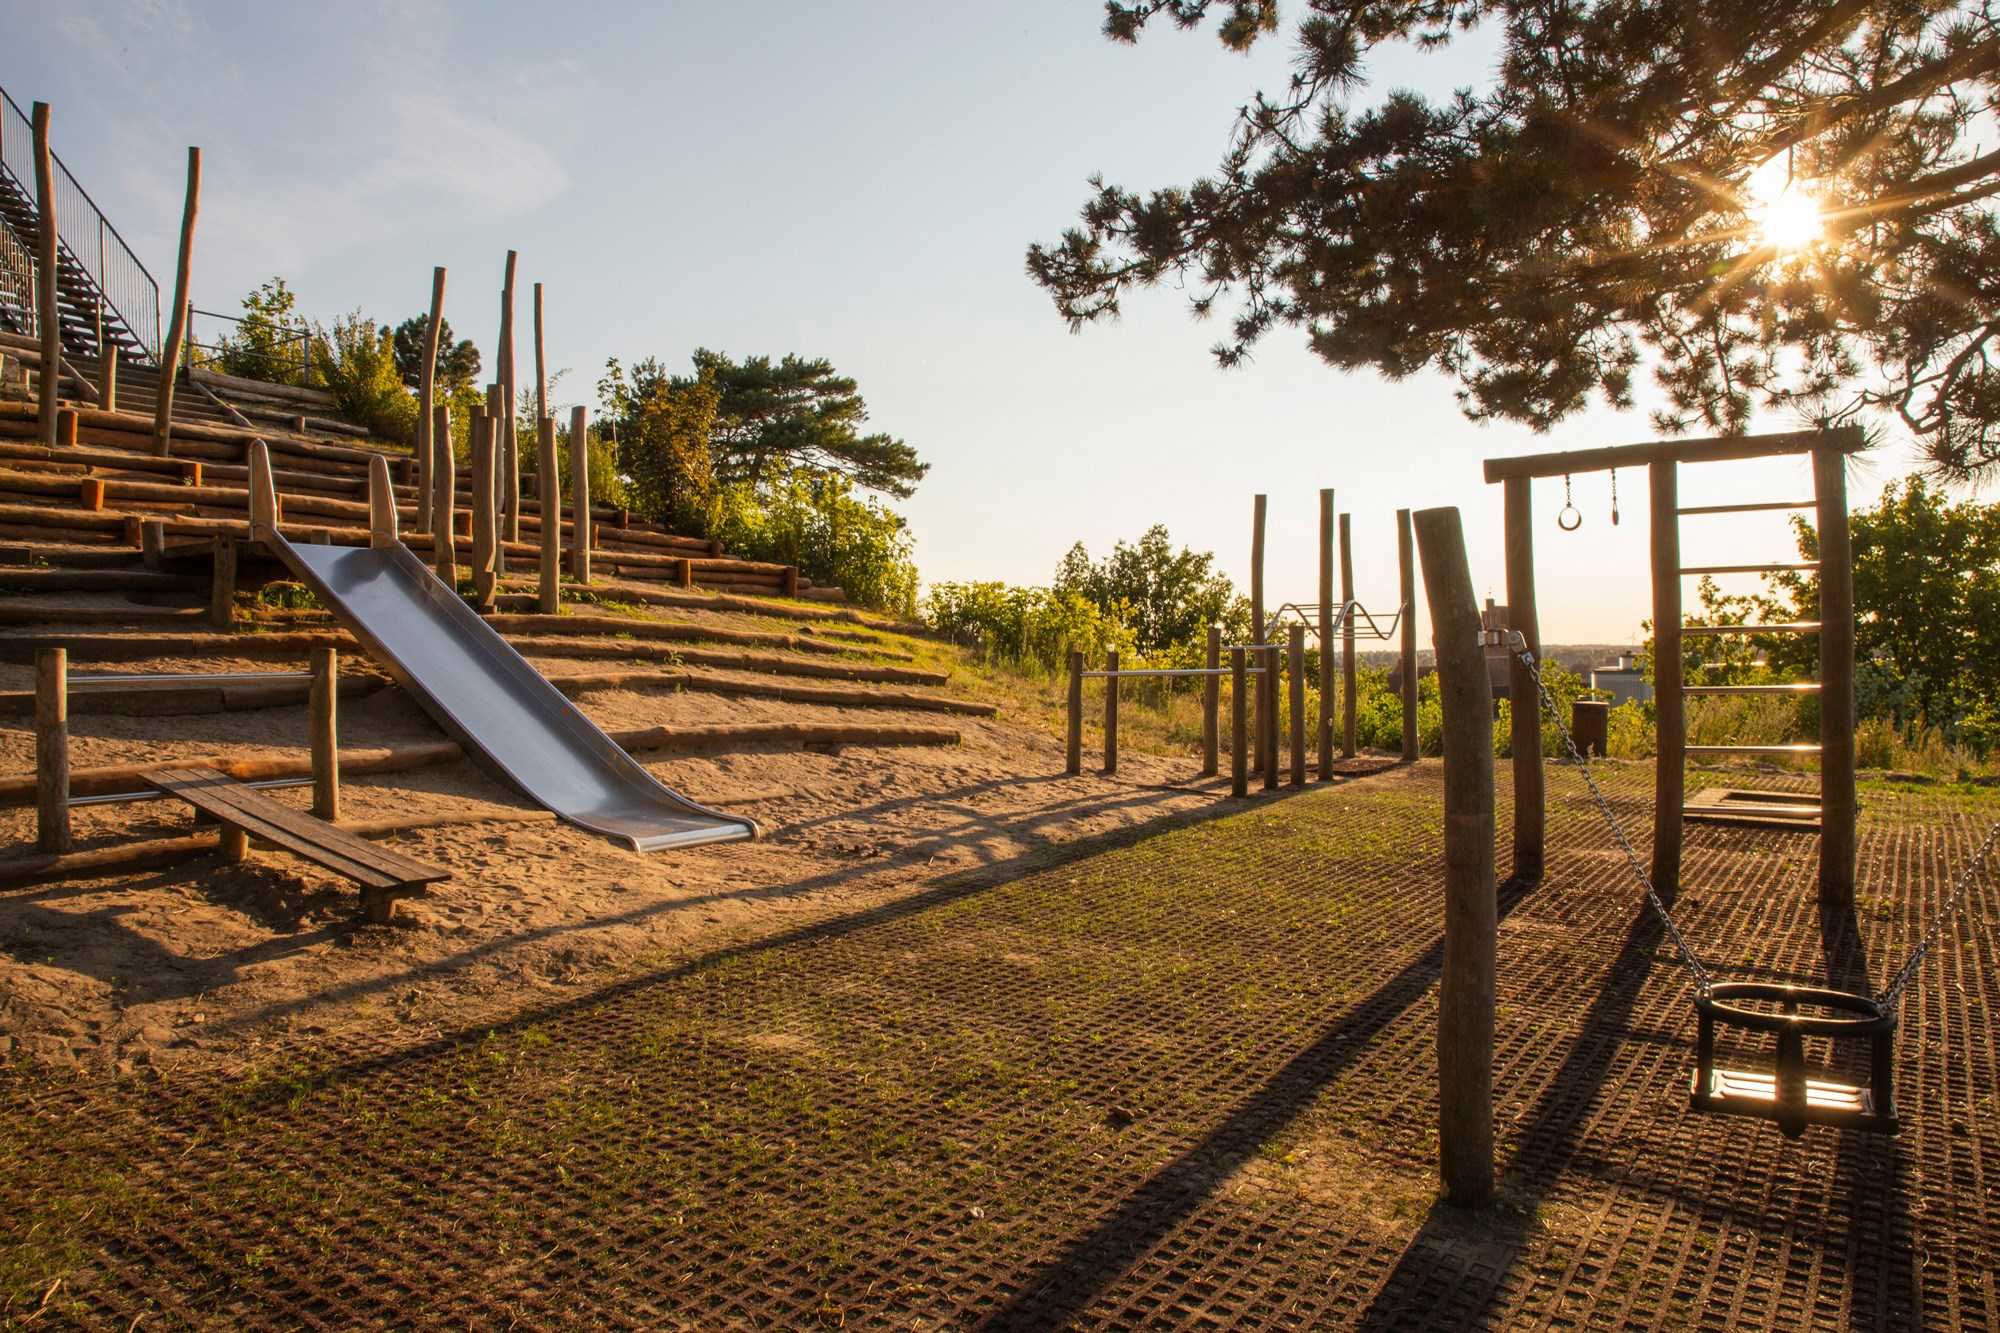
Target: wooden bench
{"type": "Point", "coordinates": [245, 813]}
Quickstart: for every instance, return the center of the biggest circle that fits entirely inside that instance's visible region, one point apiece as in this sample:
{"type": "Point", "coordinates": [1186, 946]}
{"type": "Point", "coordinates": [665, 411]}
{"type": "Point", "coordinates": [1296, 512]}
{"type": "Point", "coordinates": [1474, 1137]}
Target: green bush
{"type": "Point", "coordinates": [1030, 627]}
{"type": "Point", "coordinates": [355, 361]}
{"type": "Point", "coordinates": [814, 520]}
{"type": "Point", "coordinates": [266, 342]}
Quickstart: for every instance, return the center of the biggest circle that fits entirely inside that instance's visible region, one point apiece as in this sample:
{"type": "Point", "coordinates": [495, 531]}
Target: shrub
{"type": "Point", "coordinates": [266, 343]}
{"type": "Point", "coordinates": [1028, 627]}
{"type": "Point", "coordinates": [356, 363]}
{"type": "Point", "coordinates": [814, 520]}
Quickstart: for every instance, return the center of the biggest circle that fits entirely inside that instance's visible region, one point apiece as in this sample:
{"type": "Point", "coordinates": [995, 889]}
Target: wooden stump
{"type": "Point", "coordinates": [67, 420]}
{"type": "Point", "coordinates": [222, 584]}
{"type": "Point", "coordinates": [52, 750]}
{"type": "Point", "coordinates": [1073, 722]}
{"type": "Point", "coordinates": [1111, 713]}
{"type": "Point", "coordinates": [1471, 916]}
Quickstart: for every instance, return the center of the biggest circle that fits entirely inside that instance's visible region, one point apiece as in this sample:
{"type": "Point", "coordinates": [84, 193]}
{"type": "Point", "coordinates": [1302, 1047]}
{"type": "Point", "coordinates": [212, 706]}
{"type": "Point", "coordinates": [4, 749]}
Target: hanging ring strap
{"type": "Point", "coordinates": [1614, 497]}
{"type": "Point", "coordinates": [1689, 957]}
{"type": "Point", "coordinates": [1569, 520]}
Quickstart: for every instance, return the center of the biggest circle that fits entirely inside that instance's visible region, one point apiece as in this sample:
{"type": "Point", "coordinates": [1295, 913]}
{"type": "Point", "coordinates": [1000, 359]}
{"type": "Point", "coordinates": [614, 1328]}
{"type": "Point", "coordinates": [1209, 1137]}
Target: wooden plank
{"type": "Point", "coordinates": [297, 832]}
{"type": "Point", "coordinates": [1711, 449]}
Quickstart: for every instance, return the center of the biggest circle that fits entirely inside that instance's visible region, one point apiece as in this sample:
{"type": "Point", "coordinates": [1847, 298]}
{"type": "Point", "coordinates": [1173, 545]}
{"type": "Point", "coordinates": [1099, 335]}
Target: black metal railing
{"type": "Point", "coordinates": [130, 297]}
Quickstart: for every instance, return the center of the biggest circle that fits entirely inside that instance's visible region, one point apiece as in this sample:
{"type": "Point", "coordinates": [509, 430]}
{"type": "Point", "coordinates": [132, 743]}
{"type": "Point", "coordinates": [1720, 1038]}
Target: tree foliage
{"type": "Point", "coordinates": [267, 341]}
{"type": "Point", "coordinates": [778, 417]}
{"type": "Point", "coordinates": [817, 522]}
{"type": "Point", "coordinates": [1596, 204]}
{"type": "Point", "coordinates": [457, 361]}
{"type": "Point", "coordinates": [1166, 597]}
{"type": "Point", "coordinates": [662, 429]}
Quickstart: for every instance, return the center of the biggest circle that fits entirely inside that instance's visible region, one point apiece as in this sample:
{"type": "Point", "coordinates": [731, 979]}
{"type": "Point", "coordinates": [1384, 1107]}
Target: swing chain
{"type": "Point", "coordinates": [1905, 974]}
{"type": "Point", "coordinates": [1576, 757]}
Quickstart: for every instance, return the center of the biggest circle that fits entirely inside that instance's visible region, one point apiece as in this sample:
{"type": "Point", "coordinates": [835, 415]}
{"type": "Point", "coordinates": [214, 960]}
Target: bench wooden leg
{"type": "Point", "coordinates": [235, 843]}
{"type": "Point", "coordinates": [378, 905]}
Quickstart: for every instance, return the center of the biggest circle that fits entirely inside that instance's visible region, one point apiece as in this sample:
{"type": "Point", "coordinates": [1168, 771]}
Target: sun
{"type": "Point", "coordinates": [1785, 212]}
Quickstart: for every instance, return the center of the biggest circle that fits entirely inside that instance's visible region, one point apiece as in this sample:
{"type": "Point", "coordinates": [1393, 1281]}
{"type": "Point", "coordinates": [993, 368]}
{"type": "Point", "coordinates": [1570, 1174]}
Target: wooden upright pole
{"type": "Point", "coordinates": [541, 362]}
{"type": "Point", "coordinates": [47, 293]}
{"type": "Point", "coordinates": [1838, 811]}
{"type": "Point", "coordinates": [549, 487]}
{"type": "Point", "coordinates": [52, 750]}
{"type": "Point", "coordinates": [507, 462]}
{"type": "Point", "coordinates": [1524, 704]}
{"type": "Point", "coordinates": [1471, 911]}
{"type": "Point", "coordinates": [1073, 722]}
{"type": "Point", "coordinates": [1296, 650]}
{"type": "Point", "coordinates": [485, 431]}
{"type": "Point", "coordinates": [1111, 713]}
{"type": "Point", "coordinates": [170, 355]}
{"type": "Point", "coordinates": [1406, 584]}
{"type": "Point", "coordinates": [1211, 701]}
{"type": "Point", "coordinates": [325, 735]}
{"type": "Point", "coordinates": [1326, 619]}
{"type": "Point", "coordinates": [579, 491]}
{"type": "Point", "coordinates": [1347, 655]}
{"type": "Point", "coordinates": [1268, 700]}
{"type": "Point", "coordinates": [426, 401]}
{"type": "Point", "coordinates": [1257, 615]}
{"type": "Point", "coordinates": [1239, 723]}
{"type": "Point", "coordinates": [444, 498]}
{"type": "Point", "coordinates": [1669, 706]}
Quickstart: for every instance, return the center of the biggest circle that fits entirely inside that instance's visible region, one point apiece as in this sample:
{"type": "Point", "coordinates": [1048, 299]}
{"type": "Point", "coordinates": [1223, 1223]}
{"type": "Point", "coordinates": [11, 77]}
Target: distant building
{"type": "Point", "coordinates": [1624, 680]}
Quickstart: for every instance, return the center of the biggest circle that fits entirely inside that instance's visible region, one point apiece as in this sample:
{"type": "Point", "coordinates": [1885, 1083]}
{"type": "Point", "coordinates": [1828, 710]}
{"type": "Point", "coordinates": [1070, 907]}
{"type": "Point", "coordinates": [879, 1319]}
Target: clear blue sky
{"type": "Point", "coordinates": [856, 181]}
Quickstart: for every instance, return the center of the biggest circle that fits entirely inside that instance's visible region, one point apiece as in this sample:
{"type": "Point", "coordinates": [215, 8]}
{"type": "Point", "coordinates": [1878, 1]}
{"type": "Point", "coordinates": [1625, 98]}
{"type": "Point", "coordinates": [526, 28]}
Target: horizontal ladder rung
{"type": "Point", "coordinates": [1795, 627]}
{"type": "Point", "coordinates": [1802, 687]}
{"type": "Point", "coordinates": [1801, 748]}
{"type": "Point", "coordinates": [1749, 569]}
{"type": "Point", "coordinates": [1749, 508]}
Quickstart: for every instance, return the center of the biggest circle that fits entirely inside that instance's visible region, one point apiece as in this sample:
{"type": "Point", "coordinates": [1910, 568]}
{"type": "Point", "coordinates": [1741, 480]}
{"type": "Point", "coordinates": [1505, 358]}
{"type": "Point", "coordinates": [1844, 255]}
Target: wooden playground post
{"type": "Point", "coordinates": [444, 498]}
{"type": "Point", "coordinates": [579, 490]}
{"type": "Point", "coordinates": [1326, 635]}
{"type": "Point", "coordinates": [1267, 698]}
{"type": "Point", "coordinates": [222, 583]}
{"type": "Point", "coordinates": [1257, 614]}
{"type": "Point", "coordinates": [1347, 654]}
{"type": "Point", "coordinates": [46, 292]}
{"type": "Point", "coordinates": [1073, 723]}
{"type": "Point", "coordinates": [1524, 703]}
{"type": "Point", "coordinates": [107, 376]}
{"type": "Point", "coordinates": [1669, 705]}
{"type": "Point", "coordinates": [1211, 704]}
{"type": "Point", "coordinates": [1111, 713]}
{"type": "Point", "coordinates": [484, 538]}
{"type": "Point", "coordinates": [1239, 722]}
{"type": "Point", "coordinates": [1407, 589]}
{"type": "Point", "coordinates": [1296, 648]}
{"type": "Point", "coordinates": [507, 463]}
{"type": "Point", "coordinates": [426, 401]}
{"type": "Point", "coordinates": [1837, 811]}
{"type": "Point", "coordinates": [549, 591]}
{"type": "Point", "coordinates": [153, 543]}
{"type": "Point", "coordinates": [52, 750]}
{"type": "Point", "coordinates": [541, 362]}
{"type": "Point", "coordinates": [170, 355]}
{"type": "Point", "coordinates": [1471, 911]}
{"type": "Point", "coordinates": [325, 735]}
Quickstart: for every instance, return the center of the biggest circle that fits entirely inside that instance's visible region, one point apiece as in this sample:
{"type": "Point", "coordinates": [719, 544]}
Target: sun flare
{"type": "Point", "coordinates": [1785, 212]}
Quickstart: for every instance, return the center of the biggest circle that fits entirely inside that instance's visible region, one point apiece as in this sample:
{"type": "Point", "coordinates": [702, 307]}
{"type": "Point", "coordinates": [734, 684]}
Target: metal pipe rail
{"type": "Point", "coordinates": [1151, 671]}
{"type": "Point", "coordinates": [136, 797]}
{"type": "Point", "coordinates": [113, 679]}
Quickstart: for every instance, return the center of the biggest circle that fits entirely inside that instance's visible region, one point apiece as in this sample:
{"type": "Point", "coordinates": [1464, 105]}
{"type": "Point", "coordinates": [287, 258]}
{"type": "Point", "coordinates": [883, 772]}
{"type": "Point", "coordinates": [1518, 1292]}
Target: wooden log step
{"type": "Point", "coordinates": [31, 613]}
{"type": "Point", "coordinates": [666, 630]}
{"type": "Point", "coordinates": [19, 788]}
{"type": "Point", "coordinates": [699, 682]}
{"type": "Point", "coordinates": [215, 379]}
{"type": "Point", "coordinates": [590, 649]}
{"type": "Point", "coordinates": [99, 580]}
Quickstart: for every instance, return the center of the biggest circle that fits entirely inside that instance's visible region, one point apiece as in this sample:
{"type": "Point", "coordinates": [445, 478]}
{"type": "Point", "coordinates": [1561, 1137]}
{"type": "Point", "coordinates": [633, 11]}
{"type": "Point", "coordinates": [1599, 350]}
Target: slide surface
{"type": "Point", "coordinates": [487, 696]}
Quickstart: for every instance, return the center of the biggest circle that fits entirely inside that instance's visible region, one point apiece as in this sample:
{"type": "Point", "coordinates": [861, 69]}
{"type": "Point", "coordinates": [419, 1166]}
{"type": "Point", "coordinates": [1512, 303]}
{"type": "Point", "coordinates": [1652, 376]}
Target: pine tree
{"type": "Point", "coordinates": [1780, 206]}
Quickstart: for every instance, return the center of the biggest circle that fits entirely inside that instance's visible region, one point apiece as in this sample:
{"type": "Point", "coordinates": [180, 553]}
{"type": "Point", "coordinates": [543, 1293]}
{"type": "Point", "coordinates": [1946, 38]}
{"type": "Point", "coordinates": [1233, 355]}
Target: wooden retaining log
{"type": "Point", "coordinates": [18, 788]}
{"type": "Point", "coordinates": [661, 630]}
{"type": "Point", "coordinates": [580, 683]}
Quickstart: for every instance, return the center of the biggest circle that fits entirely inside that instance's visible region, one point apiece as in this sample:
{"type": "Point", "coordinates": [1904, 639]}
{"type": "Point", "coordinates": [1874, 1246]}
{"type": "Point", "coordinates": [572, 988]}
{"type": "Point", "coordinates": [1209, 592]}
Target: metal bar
{"type": "Point", "coordinates": [133, 797]}
{"type": "Point", "coordinates": [1749, 569]}
{"type": "Point", "coordinates": [1796, 627]}
{"type": "Point", "coordinates": [188, 678]}
{"type": "Point", "coordinates": [1162, 671]}
{"type": "Point", "coordinates": [1801, 687]}
{"type": "Point", "coordinates": [1759, 508]}
{"type": "Point", "coordinates": [1713, 449]}
{"type": "Point", "coordinates": [1801, 748]}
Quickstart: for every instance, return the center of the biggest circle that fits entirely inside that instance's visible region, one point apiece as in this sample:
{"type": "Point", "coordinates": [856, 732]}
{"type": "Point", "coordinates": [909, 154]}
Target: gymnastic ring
{"type": "Point", "coordinates": [1569, 520]}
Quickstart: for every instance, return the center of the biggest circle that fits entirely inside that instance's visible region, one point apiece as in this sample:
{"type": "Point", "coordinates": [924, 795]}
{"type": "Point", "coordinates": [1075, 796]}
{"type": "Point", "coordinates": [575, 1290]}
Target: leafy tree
{"type": "Point", "coordinates": [1640, 177]}
{"type": "Point", "coordinates": [457, 362]}
{"type": "Point", "coordinates": [355, 362]}
{"type": "Point", "coordinates": [777, 417]}
{"type": "Point", "coordinates": [1167, 597]}
{"type": "Point", "coordinates": [662, 431]}
{"type": "Point", "coordinates": [266, 342]}
{"type": "Point", "coordinates": [815, 521]}
{"type": "Point", "coordinates": [1927, 607]}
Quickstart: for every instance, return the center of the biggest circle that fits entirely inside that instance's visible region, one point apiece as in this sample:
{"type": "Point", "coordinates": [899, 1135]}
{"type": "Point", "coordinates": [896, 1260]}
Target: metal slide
{"type": "Point", "coordinates": [471, 681]}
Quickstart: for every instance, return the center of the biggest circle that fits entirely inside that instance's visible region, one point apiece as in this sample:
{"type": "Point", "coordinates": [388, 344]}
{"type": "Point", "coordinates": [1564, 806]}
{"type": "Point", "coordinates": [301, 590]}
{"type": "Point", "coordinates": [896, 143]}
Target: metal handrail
{"type": "Point", "coordinates": [303, 337]}
{"type": "Point", "coordinates": [124, 288]}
